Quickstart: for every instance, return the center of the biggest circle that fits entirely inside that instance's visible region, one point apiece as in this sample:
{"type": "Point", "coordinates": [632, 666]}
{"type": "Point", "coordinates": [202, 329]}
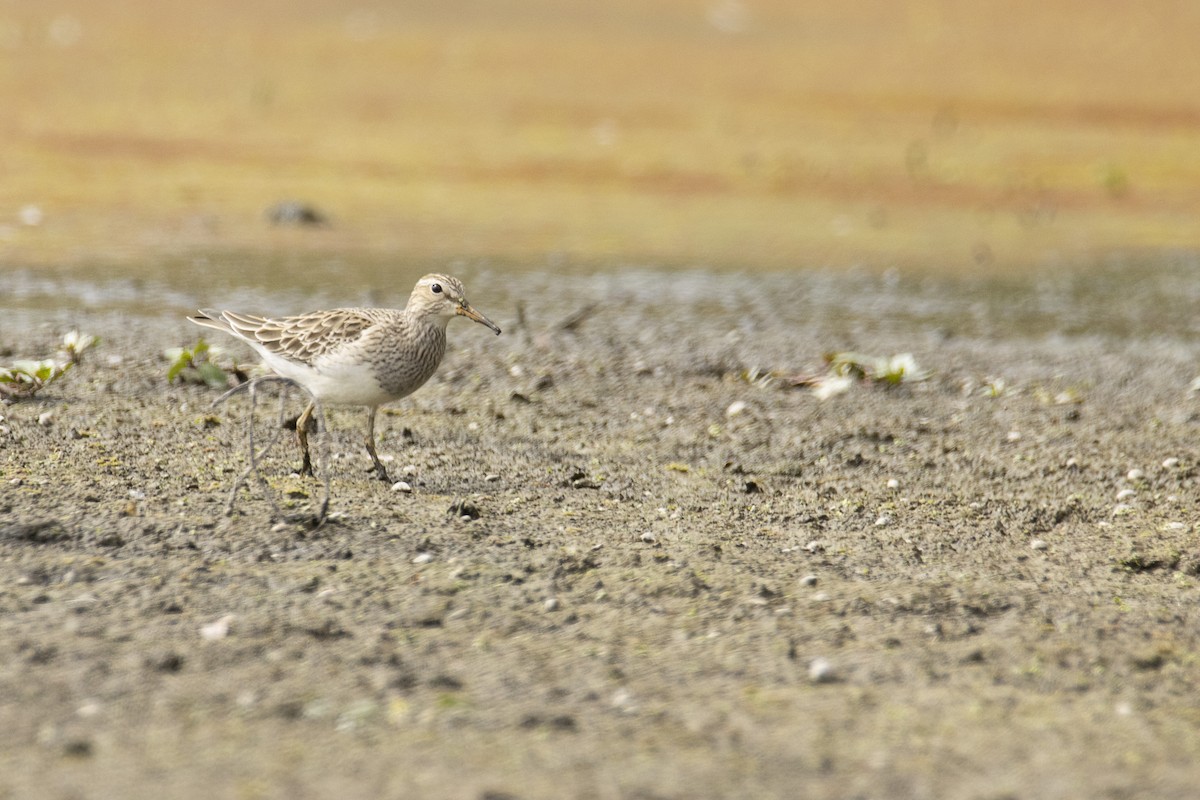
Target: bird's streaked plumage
{"type": "Point", "coordinates": [355, 356]}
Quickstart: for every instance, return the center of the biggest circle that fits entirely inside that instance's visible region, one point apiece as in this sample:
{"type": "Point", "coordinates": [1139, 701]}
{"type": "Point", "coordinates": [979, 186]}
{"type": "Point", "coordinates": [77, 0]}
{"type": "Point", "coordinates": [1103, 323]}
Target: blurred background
{"type": "Point", "coordinates": [143, 138]}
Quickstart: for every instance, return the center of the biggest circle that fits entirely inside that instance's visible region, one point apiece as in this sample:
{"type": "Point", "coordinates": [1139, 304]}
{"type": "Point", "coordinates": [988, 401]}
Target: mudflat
{"type": "Point", "coordinates": [636, 560]}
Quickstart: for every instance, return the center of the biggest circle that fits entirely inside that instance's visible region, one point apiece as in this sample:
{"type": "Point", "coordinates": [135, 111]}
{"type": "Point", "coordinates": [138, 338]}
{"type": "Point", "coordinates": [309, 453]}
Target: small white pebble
{"type": "Point", "coordinates": [1123, 709]}
{"type": "Point", "coordinates": [410, 470]}
{"type": "Point", "coordinates": [1170, 463]}
{"type": "Point", "coordinates": [550, 604]}
{"type": "Point", "coordinates": [623, 699]}
{"type": "Point", "coordinates": [16, 482]}
{"type": "Point", "coordinates": [1013, 436]}
{"type": "Point", "coordinates": [516, 370]}
{"type": "Point", "coordinates": [388, 459]}
{"type": "Point", "coordinates": [401, 486]}
{"type": "Point", "coordinates": [472, 426]}
{"type": "Point", "coordinates": [1172, 498]}
{"type": "Point", "coordinates": [893, 483]}
{"type": "Point", "coordinates": [46, 418]}
{"type": "Point", "coordinates": [137, 494]}
{"type": "Point", "coordinates": [822, 597]}
{"type": "Point", "coordinates": [1176, 526]}
{"type": "Point", "coordinates": [1072, 463]}
{"type": "Point", "coordinates": [735, 408]}
{"type": "Point", "coordinates": [815, 546]}
{"type": "Point", "coordinates": [883, 519]}
{"type": "Point", "coordinates": [217, 630]}
{"type": "Point", "coordinates": [820, 670]}
{"type": "Point", "coordinates": [89, 708]}
{"type": "Point", "coordinates": [423, 558]}
{"type": "Point", "coordinates": [1135, 474]}
{"type": "Point", "coordinates": [1038, 544]}
{"type": "Point", "coordinates": [491, 477]}
{"type": "Point", "coordinates": [649, 538]}
{"type": "Point", "coordinates": [1126, 494]}
{"type": "Point", "coordinates": [808, 580]}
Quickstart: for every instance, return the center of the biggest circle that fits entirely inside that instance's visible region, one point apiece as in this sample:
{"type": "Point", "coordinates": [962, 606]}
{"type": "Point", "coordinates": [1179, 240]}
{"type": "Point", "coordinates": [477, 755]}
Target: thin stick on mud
{"type": "Point", "coordinates": [575, 319]}
{"type": "Point", "coordinates": [317, 519]}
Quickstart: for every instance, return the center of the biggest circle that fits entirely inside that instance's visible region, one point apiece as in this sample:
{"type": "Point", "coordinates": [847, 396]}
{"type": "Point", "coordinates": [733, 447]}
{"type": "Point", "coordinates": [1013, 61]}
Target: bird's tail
{"type": "Point", "coordinates": [208, 318]}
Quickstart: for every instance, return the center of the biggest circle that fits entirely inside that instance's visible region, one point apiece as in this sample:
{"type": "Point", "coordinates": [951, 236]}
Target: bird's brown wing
{"type": "Point", "coordinates": [305, 337]}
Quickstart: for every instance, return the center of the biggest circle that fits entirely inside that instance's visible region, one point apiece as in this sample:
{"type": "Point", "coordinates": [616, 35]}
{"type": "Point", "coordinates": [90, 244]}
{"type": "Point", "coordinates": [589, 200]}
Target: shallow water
{"type": "Point", "coordinates": [1122, 298]}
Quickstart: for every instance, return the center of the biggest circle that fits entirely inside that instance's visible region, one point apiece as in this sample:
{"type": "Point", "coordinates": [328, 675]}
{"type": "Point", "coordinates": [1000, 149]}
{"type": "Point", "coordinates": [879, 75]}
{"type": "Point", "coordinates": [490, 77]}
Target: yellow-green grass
{"type": "Point", "coordinates": [949, 136]}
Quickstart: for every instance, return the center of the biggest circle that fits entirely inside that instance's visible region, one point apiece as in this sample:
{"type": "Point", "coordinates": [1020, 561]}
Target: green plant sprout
{"type": "Point", "coordinates": [847, 368]}
{"type": "Point", "coordinates": [75, 344]}
{"type": "Point", "coordinates": [26, 378]}
{"type": "Point", "coordinates": [892, 370]}
{"type": "Point", "coordinates": [196, 364]}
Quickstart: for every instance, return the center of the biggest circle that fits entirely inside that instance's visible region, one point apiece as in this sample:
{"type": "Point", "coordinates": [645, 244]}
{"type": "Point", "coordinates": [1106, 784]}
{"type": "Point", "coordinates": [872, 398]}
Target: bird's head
{"type": "Point", "coordinates": [443, 297]}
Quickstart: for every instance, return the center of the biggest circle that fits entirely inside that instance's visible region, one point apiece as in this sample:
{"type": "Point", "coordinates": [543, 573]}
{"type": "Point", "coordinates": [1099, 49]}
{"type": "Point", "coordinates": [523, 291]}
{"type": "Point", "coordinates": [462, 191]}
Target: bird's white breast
{"type": "Point", "coordinates": [334, 381]}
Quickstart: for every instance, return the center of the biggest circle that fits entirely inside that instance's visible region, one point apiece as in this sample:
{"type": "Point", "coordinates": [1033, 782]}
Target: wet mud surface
{"type": "Point", "coordinates": [633, 564]}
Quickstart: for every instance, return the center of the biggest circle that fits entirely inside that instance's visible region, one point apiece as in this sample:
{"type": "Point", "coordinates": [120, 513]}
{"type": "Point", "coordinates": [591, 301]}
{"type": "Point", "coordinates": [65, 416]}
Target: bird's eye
{"type": "Point", "coordinates": [436, 288]}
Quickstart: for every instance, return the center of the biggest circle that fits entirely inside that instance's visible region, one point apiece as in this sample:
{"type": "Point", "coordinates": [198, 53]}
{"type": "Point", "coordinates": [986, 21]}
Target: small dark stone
{"type": "Point", "coordinates": [171, 606]}
{"type": "Point", "coordinates": [165, 662]}
{"type": "Point", "coordinates": [329, 629]}
{"type": "Point", "coordinates": [290, 709]}
{"type": "Point", "coordinates": [1149, 662]}
{"type": "Point", "coordinates": [110, 539]}
{"type": "Point", "coordinates": [77, 748]}
{"type": "Point", "coordinates": [403, 680]}
{"type": "Point", "coordinates": [296, 213]}
{"type": "Point", "coordinates": [447, 682]}
{"type": "Point", "coordinates": [557, 722]}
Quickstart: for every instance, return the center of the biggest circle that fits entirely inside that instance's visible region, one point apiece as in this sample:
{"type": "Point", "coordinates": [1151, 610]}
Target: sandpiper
{"type": "Point", "coordinates": [355, 356]}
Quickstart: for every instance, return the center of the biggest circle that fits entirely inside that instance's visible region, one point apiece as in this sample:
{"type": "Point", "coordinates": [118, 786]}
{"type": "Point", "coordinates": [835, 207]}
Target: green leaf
{"type": "Point", "coordinates": [177, 367]}
{"type": "Point", "coordinates": [213, 375]}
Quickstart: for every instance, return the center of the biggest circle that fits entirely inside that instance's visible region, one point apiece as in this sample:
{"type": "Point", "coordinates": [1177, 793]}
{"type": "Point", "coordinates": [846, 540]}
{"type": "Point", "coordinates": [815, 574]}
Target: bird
{"type": "Point", "coordinates": [355, 356]}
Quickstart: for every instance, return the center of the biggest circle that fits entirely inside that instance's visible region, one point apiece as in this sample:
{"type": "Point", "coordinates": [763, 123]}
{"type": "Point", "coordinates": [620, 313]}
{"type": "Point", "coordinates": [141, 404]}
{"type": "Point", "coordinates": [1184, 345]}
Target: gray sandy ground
{"type": "Point", "coordinates": [933, 590]}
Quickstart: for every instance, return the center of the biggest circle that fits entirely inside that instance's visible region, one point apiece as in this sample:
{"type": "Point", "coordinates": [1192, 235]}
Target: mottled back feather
{"type": "Point", "coordinates": [302, 338]}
